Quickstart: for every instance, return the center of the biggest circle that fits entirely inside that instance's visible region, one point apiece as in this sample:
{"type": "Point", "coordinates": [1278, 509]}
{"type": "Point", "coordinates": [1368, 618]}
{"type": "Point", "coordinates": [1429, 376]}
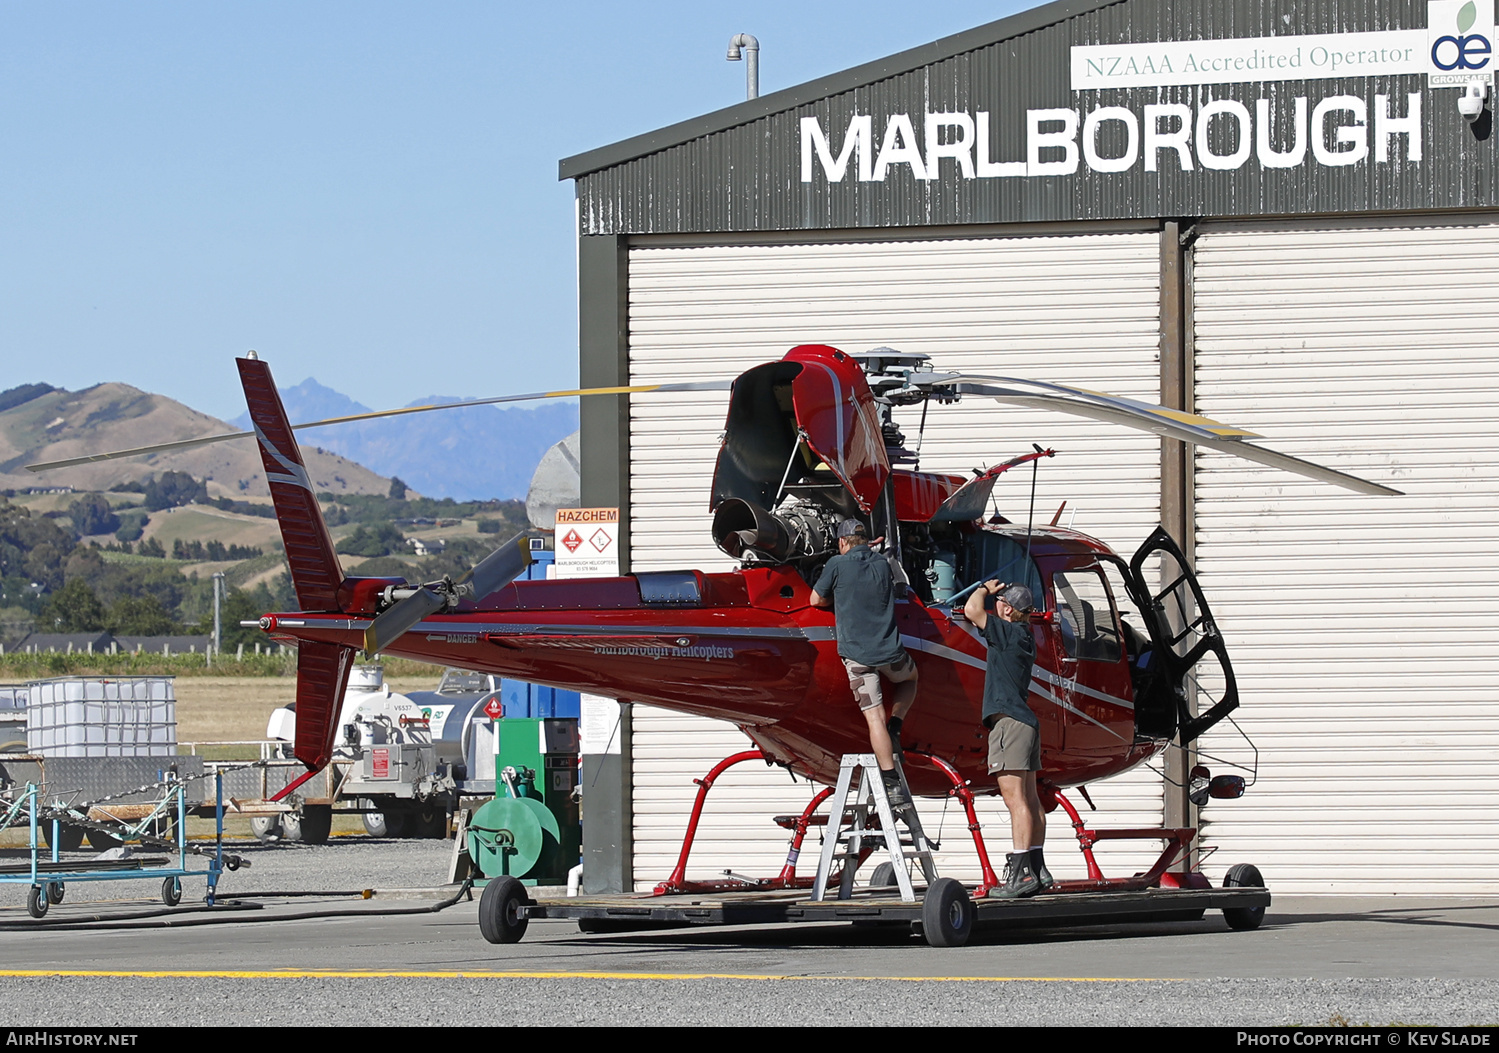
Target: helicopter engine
{"type": "Point", "coordinates": [751, 533]}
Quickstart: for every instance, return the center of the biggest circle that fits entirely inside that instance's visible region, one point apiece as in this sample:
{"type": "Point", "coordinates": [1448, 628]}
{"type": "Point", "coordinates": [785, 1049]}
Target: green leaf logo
{"type": "Point", "coordinates": [1466, 17]}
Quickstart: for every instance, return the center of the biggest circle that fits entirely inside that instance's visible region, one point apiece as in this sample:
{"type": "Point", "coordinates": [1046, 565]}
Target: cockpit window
{"type": "Point", "coordinates": [991, 556]}
{"type": "Point", "coordinates": [1086, 620]}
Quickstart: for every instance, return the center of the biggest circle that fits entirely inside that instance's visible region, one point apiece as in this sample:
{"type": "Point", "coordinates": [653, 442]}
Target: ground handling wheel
{"type": "Point", "coordinates": [37, 902]}
{"type": "Point", "coordinates": [1243, 919]}
{"type": "Point", "coordinates": [882, 877]}
{"type": "Point", "coordinates": [55, 892]}
{"type": "Point", "coordinates": [947, 914]}
{"type": "Point", "coordinates": [171, 891]}
{"type": "Point", "coordinates": [501, 917]}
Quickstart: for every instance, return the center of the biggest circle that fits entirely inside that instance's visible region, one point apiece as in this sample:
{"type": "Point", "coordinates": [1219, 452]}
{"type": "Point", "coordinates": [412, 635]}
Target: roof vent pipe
{"type": "Point", "coordinates": [752, 70]}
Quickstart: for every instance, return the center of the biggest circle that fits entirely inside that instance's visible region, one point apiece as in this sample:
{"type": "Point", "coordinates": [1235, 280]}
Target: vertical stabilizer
{"type": "Point", "coordinates": [315, 570]}
{"type": "Point", "coordinates": [322, 676]}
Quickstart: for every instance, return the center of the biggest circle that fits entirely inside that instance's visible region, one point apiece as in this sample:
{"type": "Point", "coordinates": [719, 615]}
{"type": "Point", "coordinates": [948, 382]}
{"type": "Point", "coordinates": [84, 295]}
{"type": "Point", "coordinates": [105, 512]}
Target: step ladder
{"type": "Point", "coordinates": [899, 832]}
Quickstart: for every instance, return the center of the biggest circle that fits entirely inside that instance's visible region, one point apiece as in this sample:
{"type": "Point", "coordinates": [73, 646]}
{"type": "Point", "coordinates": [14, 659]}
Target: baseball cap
{"type": "Point", "coordinates": [1019, 597]}
{"type": "Point", "coordinates": [852, 528]}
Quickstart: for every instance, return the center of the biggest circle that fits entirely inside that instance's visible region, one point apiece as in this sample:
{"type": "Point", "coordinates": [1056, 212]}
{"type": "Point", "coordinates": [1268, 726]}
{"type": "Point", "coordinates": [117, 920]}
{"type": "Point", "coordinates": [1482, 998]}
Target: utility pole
{"type": "Point", "coordinates": [218, 603]}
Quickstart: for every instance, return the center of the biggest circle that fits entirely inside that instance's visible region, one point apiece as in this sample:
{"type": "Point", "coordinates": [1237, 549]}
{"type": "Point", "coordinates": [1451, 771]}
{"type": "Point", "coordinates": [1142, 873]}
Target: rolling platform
{"type": "Point", "coordinates": [945, 913]}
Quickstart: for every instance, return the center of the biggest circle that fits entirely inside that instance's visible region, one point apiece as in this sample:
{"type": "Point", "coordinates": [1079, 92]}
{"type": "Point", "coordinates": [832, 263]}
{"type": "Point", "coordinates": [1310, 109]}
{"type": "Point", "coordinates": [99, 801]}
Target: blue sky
{"type": "Point", "coordinates": [364, 192]}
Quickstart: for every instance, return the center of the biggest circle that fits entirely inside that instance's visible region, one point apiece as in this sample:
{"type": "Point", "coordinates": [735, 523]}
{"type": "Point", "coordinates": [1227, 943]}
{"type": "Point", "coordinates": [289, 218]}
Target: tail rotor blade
{"type": "Point", "coordinates": [392, 625]}
{"type": "Point", "coordinates": [492, 573]}
{"type": "Point", "coordinates": [499, 568]}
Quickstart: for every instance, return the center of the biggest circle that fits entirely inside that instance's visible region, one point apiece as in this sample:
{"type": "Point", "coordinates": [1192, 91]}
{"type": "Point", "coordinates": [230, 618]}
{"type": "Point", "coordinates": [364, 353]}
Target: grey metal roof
{"type": "Point", "coordinates": [789, 98]}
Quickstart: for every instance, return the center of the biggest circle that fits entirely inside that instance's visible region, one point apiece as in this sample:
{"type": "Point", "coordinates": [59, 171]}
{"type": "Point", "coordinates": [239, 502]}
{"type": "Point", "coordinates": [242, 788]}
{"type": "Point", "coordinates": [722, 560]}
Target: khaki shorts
{"type": "Point", "coordinates": [864, 681]}
{"type": "Point", "coordinates": [1013, 746]}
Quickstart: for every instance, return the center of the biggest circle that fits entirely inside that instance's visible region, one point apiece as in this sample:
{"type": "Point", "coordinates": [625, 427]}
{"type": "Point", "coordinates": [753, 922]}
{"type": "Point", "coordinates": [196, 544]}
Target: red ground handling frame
{"type": "Point", "coordinates": [946, 914]}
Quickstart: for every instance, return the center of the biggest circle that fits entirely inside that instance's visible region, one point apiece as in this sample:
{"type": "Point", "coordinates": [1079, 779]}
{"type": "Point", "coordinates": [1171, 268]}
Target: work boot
{"type": "Point", "coordinates": [899, 800]}
{"type": "Point", "coordinates": [1038, 867]}
{"type": "Point", "coordinates": [1020, 880]}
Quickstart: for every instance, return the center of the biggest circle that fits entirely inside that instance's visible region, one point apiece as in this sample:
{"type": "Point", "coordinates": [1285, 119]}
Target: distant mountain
{"type": "Point", "coordinates": [471, 454]}
{"type": "Point", "coordinates": [41, 423]}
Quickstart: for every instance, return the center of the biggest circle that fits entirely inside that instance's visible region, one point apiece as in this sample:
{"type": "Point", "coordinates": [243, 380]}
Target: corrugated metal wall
{"type": "Point", "coordinates": [1081, 308]}
{"type": "Point", "coordinates": [1364, 630]}
{"type": "Point", "coordinates": [744, 173]}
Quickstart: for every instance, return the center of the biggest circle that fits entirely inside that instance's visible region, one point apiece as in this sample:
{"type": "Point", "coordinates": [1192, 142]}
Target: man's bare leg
{"type": "Point", "coordinates": [879, 738]}
{"type": "Point", "coordinates": [1023, 807]}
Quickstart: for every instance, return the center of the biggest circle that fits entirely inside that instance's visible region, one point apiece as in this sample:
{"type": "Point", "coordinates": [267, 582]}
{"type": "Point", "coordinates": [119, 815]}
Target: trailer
{"type": "Point", "coordinates": [945, 915]}
{"type": "Point", "coordinates": [161, 826]}
{"type": "Point", "coordinates": [904, 889]}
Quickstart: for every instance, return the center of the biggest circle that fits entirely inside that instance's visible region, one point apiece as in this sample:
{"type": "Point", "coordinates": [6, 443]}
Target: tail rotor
{"type": "Point", "coordinates": [489, 575]}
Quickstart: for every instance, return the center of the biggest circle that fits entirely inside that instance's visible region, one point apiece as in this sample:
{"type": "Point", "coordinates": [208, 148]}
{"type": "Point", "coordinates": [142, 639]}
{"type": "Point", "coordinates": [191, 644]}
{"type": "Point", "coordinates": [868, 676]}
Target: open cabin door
{"type": "Point", "coordinates": [1187, 655]}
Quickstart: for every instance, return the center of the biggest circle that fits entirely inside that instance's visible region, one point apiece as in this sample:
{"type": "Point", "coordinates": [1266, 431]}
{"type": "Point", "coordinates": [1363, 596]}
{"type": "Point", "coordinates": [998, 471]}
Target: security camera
{"type": "Point", "coordinates": [1470, 102]}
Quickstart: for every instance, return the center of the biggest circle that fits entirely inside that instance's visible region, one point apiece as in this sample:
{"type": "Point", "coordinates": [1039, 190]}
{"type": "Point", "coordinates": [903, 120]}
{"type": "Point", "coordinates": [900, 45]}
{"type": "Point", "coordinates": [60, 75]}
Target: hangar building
{"type": "Point", "coordinates": [1275, 214]}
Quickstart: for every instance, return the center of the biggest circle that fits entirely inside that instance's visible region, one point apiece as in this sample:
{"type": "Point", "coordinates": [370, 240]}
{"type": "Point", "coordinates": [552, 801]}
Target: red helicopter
{"type": "Point", "coordinates": [809, 441]}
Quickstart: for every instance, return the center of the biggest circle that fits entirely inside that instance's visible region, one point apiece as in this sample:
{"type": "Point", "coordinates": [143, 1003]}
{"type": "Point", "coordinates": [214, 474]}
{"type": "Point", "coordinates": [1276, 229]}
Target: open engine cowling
{"type": "Point", "coordinates": [796, 532]}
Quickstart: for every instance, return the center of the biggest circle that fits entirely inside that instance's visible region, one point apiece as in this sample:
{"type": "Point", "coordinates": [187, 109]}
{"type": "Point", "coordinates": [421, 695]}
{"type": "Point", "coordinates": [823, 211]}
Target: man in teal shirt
{"type": "Point", "coordinates": [1014, 731]}
{"type": "Point", "coordinates": [860, 587]}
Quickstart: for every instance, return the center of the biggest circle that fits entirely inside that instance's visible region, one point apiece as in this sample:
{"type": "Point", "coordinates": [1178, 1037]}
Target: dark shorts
{"type": "Point", "coordinates": [1013, 746]}
{"type": "Point", "coordinates": [864, 680]}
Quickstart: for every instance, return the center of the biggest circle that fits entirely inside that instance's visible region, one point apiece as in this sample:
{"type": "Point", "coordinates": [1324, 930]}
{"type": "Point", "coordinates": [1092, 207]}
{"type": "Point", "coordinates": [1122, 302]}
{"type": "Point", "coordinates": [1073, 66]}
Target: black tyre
{"type": "Point", "coordinates": [391, 823]}
{"type": "Point", "coordinates": [36, 902]}
{"type": "Point", "coordinates": [317, 823]}
{"type": "Point", "coordinates": [883, 877]}
{"type": "Point", "coordinates": [947, 914]}
{"type": "Point", "coordinates": [291, 826]}
{"type": "Point", "coordinates": [1243, 919]}
{"type": "Point", "coordinates": [502, 917]}
{"type": "Point", "coordinates": [69, 838]}
{"type": "Point", "coordinates": [55, 892]}
{"type": "Point", "coordinates": [102, 842]}
{"type": "Point", "coordinates": [171, 891]}
{"type": "Point", "coordinates": [430, 821]}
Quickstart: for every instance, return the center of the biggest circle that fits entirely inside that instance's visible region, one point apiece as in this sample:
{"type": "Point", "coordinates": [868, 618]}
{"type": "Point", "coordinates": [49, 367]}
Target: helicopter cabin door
{"type": "Point", "coordinates": [1184, 666]}
{"type": "Point", "coordinates": [1095, 686]}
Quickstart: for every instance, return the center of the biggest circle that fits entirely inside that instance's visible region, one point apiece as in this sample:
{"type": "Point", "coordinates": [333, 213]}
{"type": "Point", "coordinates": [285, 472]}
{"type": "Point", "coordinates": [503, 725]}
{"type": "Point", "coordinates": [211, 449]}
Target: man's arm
{"type": "Point", "coordinates": [822, 591]}
{"type": "Point", "coordinates": [974, 610]}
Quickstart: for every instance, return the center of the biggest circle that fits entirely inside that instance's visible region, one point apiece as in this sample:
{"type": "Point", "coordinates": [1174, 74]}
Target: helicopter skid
{"type": "Point", "coordinates": [1178, 844]}
{"type": "Point", "coordinates": [787, 879]}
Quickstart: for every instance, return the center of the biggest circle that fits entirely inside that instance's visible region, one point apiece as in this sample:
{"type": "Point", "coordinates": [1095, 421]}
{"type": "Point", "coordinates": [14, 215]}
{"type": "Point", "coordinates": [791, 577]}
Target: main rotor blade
{"type": "Point", "coordinates": [500, 567]}
{"type": "Point", "coordinates": [394, 623]}
{"type": "Point", "coordinates": [1142, 416]}
{"type": "Point", "coordinates": [187, 444]}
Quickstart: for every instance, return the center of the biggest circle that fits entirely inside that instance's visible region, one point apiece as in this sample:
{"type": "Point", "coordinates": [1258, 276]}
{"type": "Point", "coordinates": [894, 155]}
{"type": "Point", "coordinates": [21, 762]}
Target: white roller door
{"type": "Point", "coordinates": [1364, 630]}
{"type": "Point", "coordinates": [1081, 308]}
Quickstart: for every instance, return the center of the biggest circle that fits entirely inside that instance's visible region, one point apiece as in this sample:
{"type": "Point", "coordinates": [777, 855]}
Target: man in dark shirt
{"type": "Point", "coordinates": [1014, 731]}
{"type": "Point", "coordinates": [859, 586]}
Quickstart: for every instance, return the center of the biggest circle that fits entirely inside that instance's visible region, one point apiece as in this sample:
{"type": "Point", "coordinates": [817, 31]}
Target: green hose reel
{"type": "Point", "coordinates": [513, 836]}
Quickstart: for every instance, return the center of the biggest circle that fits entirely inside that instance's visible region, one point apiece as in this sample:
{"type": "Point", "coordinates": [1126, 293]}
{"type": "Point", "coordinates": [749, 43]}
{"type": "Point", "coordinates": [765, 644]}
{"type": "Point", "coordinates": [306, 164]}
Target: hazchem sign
{"type": "Point", "coordinates": [587, 543]}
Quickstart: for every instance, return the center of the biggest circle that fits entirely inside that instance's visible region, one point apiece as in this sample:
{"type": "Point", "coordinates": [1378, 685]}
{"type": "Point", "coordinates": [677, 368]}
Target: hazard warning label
{"type": "Point", "coordinates": [593, 551]}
